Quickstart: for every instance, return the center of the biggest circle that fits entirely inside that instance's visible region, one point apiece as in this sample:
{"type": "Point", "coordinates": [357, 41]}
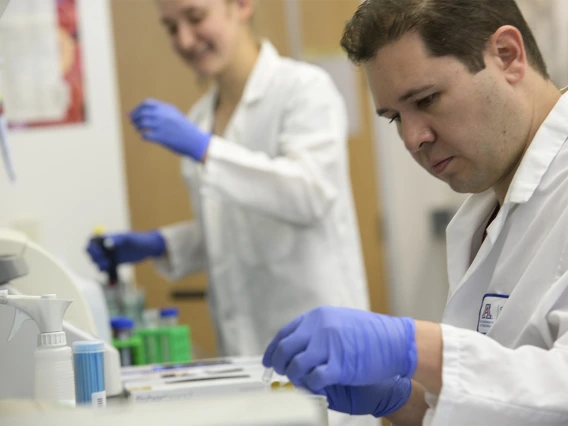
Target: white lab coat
{"type": "Point", "coordinates": [515, 292]}
{"type": "Point", "coordinates": [275, 226]}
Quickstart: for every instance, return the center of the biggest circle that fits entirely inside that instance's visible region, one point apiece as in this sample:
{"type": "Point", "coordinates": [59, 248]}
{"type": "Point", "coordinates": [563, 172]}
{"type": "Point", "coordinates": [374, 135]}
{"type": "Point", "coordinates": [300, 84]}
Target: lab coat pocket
{"type": "Point", "coordinates": [265, 239]}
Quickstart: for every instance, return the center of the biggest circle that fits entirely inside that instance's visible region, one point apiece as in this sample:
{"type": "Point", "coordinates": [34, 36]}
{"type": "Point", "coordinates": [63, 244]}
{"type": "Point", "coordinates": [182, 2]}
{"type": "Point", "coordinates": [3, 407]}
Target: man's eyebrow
{"type": "Point", "coordinates": [409, 94]}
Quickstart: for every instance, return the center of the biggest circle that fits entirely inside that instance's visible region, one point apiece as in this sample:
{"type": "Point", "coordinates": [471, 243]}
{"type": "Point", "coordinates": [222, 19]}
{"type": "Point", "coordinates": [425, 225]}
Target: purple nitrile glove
{"type": "Point", "coordinates": [166, 125]}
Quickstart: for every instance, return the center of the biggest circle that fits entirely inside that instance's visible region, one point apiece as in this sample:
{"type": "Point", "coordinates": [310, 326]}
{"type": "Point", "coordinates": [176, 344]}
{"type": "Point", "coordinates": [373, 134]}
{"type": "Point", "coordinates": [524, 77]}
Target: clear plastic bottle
{"type": "Point", "coordinates": [54, 377]}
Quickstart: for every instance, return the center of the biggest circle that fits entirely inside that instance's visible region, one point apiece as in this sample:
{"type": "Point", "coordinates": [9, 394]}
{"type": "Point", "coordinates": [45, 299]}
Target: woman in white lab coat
{"type": "Point", "coordinates": [264, 156]}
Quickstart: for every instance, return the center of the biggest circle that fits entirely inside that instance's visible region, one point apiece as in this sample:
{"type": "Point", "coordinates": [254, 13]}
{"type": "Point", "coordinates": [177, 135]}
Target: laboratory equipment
{"type": "Point", "coordinates": [54, 380]}
{"type": "Point", "coordinates": [122, 331]}
{"type": "Point", "coordinates": [151, 318]}
{"type": "Point", "coordinates": [113, 287]}
{"type": "Point", "coordinates": [107, 246]}
{"type": "Point", "coordinates": [88, 361]}
{"type": "Point", "coordinates": [29, 269]}
{"type": "Point", "coordinates": [169, 317]}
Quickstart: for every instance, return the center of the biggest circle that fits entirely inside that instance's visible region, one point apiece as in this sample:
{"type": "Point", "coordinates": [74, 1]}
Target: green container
{"type": "Point", "coordinates": [166, 344]}
{"type": "Point", "coordinates": [136, 346]}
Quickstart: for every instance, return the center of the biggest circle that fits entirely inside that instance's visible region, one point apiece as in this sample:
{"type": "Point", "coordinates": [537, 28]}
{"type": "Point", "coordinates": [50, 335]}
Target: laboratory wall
{"type": "Point", "coordinates": [71, 178]}
{"type": "Point", "coordinates": [416, 264]}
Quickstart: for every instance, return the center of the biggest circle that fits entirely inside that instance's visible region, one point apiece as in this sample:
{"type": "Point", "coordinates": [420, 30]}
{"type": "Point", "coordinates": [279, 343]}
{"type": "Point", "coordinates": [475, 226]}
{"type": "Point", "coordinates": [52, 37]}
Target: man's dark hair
{"type": "Point", "coordinates": [459, 28]}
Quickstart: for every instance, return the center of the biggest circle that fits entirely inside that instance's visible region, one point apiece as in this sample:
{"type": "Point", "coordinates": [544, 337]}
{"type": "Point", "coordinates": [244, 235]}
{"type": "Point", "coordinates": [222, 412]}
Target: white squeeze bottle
{"type": "Point", "coordinates": [54, 378]}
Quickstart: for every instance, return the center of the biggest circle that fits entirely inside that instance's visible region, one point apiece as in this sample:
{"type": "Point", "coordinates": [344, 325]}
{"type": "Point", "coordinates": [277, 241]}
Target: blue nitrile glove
{"type": "Point", "coordinates": [129, 247]}
{"type": "Point", "coordinates": [341, 346]}
{"type": "Point", "coordinates": [377, 400]}
{"type": "Point", "coordinates": [163, 123]}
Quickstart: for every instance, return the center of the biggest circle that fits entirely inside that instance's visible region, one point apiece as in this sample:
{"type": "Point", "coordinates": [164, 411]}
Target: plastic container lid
{"type": "Point", "coordinates": [169, 312]}
{"type": "Point", "coordinates": [88, 346]}
{"type": "Point", "coordinates": [121, 323]}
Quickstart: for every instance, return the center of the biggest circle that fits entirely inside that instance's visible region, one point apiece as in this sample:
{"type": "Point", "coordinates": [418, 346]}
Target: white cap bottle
{"type": "Point", "coordinates": [54, 379]}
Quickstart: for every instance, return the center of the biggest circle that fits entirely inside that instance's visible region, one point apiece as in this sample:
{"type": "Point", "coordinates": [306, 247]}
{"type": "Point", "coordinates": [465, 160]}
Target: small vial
{"type": "Point", "coordinates": [169, 317]}
{"type": "Point", "coordinates": [122, 330]}
{"type": "Point", "coordinates": [267, 376]}
{"type": "Point", "coordinates": [151, 318]}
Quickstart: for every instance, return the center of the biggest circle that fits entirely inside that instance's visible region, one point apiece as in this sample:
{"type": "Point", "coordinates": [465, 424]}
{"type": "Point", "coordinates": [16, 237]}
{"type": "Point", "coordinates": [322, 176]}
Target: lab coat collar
{"type": "Point", "coordinates": [256, 86]}
{"type": "Point", "coordinates": [541, 152]}
{"type": "Point", "coordinates": [261, 75]}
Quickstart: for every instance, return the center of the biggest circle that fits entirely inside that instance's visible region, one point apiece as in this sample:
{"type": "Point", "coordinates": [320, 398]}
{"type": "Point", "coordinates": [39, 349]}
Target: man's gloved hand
{"type": "Point", "coordinates": [163, 123]}
{"type": "Point", "coordinates": [129, 247]}
{"type": "Point", "coordinates": [377, 400]}
{"type": "Point", "coordinates": [341, 346]}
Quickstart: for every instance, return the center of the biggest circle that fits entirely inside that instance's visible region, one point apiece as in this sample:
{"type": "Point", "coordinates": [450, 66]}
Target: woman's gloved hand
{"type": "Point", "coordinates": [341, 346]}
{"type": "Point", "coordinates": [166, 125]}
{"type": "Point", "coordinates": [129, 247]}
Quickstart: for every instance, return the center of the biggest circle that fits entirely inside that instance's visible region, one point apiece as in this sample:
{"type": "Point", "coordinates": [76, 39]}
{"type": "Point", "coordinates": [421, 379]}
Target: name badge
{"type": "Point", "coordinates": [491, 307]}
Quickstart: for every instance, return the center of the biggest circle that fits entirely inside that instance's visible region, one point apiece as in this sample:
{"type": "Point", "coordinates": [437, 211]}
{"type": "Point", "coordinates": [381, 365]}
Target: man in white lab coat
{"type": "Point", "coordinates": [466, 85]}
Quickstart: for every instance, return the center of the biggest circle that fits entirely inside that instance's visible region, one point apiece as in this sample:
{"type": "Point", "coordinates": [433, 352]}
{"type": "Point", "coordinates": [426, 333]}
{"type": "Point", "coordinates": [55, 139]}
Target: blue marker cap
{"type": "Point", "coordinates": [169, 312]}
{"type": "Point", "coordinates": [121, 323]}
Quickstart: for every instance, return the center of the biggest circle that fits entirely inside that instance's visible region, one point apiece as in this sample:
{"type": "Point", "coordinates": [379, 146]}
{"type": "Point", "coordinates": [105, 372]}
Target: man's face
{"type": "Point", "coordinates": [459, 126]}
{"type": "Point", "coordinates": [202, 32]}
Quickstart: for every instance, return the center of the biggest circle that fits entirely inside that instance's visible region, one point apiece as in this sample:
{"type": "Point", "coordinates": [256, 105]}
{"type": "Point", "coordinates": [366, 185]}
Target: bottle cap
{"type": "Point", "coordinates": [88, 346]}
{"type": "Point", "coordinates": [169, 312]}
{"type": "Point", "coordinates": [121, 323]}
{"type": "Point", "coordinates": [48, 340]}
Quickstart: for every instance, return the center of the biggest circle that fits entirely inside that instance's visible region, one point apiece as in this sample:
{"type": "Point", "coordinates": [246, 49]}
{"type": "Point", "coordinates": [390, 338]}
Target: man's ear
{"type": "Point", "coordinates": [507, 50]}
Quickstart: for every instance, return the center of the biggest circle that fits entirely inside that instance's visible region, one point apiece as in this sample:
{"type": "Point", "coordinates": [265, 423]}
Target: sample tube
{"type": "Point", "coordinates": [168, 318]}
{"type": "Point", "coordinates": [122, 330]}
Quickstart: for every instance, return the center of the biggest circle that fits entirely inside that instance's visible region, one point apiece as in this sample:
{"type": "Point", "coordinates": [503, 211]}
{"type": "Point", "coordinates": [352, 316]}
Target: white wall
{"type": "Point", "coordinates": [416, 259]}
{"type": "Point", "coordinates": [71, 178]}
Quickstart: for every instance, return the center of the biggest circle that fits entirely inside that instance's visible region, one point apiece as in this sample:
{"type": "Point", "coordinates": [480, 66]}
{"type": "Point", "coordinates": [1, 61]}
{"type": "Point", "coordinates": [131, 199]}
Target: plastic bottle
{"type": "Point", "coordinates": [54, 378]}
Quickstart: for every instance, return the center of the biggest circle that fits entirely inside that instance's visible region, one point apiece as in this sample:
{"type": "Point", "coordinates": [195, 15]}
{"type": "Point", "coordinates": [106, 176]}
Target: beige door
{"type": "Point", "coordinates": [147, 67]}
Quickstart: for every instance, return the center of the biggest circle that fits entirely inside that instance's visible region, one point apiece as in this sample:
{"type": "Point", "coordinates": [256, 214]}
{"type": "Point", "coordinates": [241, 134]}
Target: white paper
{"type": "Point", "coordinates": [343, 74]}
{"type": "Point", "coordinates": [34, 89]}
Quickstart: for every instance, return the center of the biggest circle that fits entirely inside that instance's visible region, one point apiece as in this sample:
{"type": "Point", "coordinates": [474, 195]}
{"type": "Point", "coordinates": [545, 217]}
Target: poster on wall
{"type": "Point", "coordinates": [41, 67]}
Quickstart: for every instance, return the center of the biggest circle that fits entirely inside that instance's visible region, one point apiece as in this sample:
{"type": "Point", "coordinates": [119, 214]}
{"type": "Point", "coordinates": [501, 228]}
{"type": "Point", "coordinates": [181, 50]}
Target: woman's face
{"type": "Point", "coordinates": [205, 32]}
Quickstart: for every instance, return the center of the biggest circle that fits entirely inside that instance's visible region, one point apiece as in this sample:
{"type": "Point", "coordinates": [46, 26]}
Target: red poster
{"type": "Point", "coordinates": [71, 67]}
